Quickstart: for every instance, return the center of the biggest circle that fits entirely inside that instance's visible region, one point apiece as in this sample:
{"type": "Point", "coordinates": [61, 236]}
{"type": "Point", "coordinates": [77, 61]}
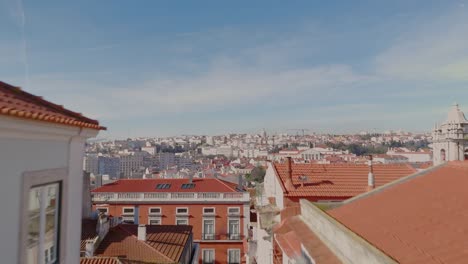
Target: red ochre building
{"type": "Point", "coordinates": [217, 210]}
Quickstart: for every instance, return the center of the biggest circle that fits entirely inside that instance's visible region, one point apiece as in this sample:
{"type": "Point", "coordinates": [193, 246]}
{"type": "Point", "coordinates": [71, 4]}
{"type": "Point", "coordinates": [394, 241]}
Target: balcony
{"type": "Point", "coordinates": [210, 236]}
{"type": "Point", "coordinates": [167, 196]}
{"type": "Point", "coordinates": [234, 236]}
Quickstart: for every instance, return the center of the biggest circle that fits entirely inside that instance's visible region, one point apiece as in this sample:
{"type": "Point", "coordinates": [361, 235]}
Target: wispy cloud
{"type": "Point", "coordinates": [436, 49]}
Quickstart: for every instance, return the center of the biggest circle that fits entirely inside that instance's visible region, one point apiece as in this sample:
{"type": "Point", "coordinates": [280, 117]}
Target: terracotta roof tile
{"type": "Point", "coordinates": [18, 103]}
{"type": "Point", "coordinates": [338, 180]}
{"type": "Point", "coordinates": [100, 260]}
{"type": "Point", "coordinates": [164, 243]}
{"type": "Point", "coordinates": [293, 232]}
{"type": "Point", "coordinates": [421, 220]}
{"type": "Point", "coordinates": [149, 185]}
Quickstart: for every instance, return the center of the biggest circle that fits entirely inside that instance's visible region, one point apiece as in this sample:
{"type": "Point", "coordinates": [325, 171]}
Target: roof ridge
{"type": "Point", "coordinates": [144, 242]}
{"type": "Point", "coordinates": [222, 182]}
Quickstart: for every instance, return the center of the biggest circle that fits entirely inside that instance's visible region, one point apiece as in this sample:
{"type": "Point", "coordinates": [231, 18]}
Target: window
{"type": "Point", "coordinates": [182, 210]}
{"type": "Point", "coordinates": [208, 229]}
{"type": "Point", "coordinates": [155, 210]}
{"type": "Point", "coordinates": [208, 256]}
{"type": "Point", "coordinates": [43, 223]}
{"type": "Point", "coordinates": [233, 256]}
{"type": "Point", "coordinates": [234, 210]}
{"type": "Point", "coordinates": [188, 185]}
{"type": "Point", "coordinates": [103, 210]}
{"type": "Point", "coordinates": [128, 210]}
{"type": "Point", "coordinates": [154, 221]}
{"type": "Point", "coordinates": [163, 186]}
{"type": "Point", "coordinates": [209, 210]}
{"type": "Point", "coordinates": [234, 230]}
{"type": "Point", "coordinates": [181, 221]}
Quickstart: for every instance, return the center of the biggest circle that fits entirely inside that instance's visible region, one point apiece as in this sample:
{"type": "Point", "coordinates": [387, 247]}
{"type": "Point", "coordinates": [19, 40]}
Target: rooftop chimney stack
{"type": "Point", "coordinates": [89, 248]}
{"type": "Point", "coordinates": [240, 184]}
{"type": "Point", "coordinates": [289, 183]}
{"type": "Point", "coordinates": [370, 178]}
{"type": "Point", "coordinates": [142, 232]}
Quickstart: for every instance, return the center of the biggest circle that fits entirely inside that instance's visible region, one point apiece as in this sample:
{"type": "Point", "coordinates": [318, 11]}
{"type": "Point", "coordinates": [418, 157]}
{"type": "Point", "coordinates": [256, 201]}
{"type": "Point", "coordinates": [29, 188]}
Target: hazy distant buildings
{"type": "Point", "coordinates": [109, 166]}
{"type": "Point", "coordinates": [91, 163]}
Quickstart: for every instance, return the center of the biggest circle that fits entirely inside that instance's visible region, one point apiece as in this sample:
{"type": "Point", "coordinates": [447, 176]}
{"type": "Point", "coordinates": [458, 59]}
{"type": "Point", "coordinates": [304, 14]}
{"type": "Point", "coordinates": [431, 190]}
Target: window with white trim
{"type": "Point", "coordinates": [234, 210]}
{"type": "Point", "coordinates": [209, 229]}
{"type": "Point", "coordinates": [181, 221]}
{"type": "Point", "coordinates": [234, 229]}
{"type": "Point", "coordinates": [233, 256]}
{"type": "Point", "coordinates": [154, 210]}
{"type": "Point", "coordinates": [128, 210]}
{"type": "Point", "coordinates": [209, 210]}
{"type": "Point", "coordinates": [155, 221]}
{"type": "Point", "coordinates": [43, 223]}
{"type": "Point", "coordinates": [208, 256]}
{"type": "Point", "coordinates": [103, 210]}
{"type": "Point", "coordinates": [181, 210]}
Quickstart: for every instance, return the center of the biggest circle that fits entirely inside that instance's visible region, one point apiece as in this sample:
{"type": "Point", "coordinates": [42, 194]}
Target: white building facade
{"type": "Point", "coordinates": [42, 179]}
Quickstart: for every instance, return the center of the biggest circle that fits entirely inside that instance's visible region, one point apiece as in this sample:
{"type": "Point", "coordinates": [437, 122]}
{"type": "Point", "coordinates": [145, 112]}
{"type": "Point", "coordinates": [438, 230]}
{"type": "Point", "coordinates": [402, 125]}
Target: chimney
{"type": "Point", "coordinates": [142, 232]}
{"type": "Point", "coordinates": [89, 248]}
{"type": "Point", "coordinates": [370, 177]}
{"type": "Point", "coordinates": [240, 185]}
{"type": "Point", "coordinates": [288, 183]}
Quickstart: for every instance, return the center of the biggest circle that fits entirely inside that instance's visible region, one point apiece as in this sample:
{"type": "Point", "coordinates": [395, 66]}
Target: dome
{"type": "Point", "coordinates": [456, 115]}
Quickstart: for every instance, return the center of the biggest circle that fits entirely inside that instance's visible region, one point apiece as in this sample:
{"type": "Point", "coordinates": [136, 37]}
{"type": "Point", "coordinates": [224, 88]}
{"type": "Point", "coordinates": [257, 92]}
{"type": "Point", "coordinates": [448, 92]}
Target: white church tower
{"type": "Point", "coordinates": [450, 140]}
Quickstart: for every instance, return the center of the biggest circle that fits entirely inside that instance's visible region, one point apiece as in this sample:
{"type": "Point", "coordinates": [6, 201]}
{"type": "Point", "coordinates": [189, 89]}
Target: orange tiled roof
{"type": "Point", "coordinates": [98, 260]}
{"type": "Point", "coordinates": [423, 220]}
{"type": "Point", "coordinates": [337, 180]}
{"type": "Point", "coordinates": [293, 232]}
{"type": "Point", "coordinates": [18, 103]}
{"type": "Point", "coordinates": [164, 243]}
{"type": "Point", "coordinates": [149, 185]}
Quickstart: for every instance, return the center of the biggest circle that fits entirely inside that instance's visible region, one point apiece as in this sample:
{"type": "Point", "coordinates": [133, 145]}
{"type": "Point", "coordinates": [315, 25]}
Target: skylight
{"type": "Point", "coordinates": [188, 185]}
{"type": "Point", "coordinates": [163, 186]}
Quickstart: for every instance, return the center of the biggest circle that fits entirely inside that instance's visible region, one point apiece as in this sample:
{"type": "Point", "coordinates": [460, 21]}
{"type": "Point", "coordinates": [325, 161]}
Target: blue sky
{"type": "Point", "coordinates": [159, 68]}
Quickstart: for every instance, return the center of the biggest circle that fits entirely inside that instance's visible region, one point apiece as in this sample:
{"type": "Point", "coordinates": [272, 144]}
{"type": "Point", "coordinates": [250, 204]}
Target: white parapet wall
{"type": "Point", "coordinates": [346, 245]}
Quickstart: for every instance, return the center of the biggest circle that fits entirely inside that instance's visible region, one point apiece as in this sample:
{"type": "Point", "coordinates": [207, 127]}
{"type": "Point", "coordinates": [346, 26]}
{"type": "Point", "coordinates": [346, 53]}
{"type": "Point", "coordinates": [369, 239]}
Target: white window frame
{"type": "Point", "coordinates": [150, 213]}
{"type": "Point", "coordinates": [213, 213]}
{"type": "Point", "coordinates": [228, 227]}
{"type": "Point", "coordinates": [177, 210]}
{"type": "Point", "coordinates": [123, 210]}
{"type": "Point", "coordinates": [234, 249]}
{"type": "Point", "coordinates": [182, 218]}
{"type": "Point", "coordinates": [214, 227]}
{"type": "Point", "coordinates": [98, 208]}
{"type": "Point", "coordinates": [237, 213]}
{"type": "Point", "coordinates": [208, 249]}
{"type": "Point", "coordinates": [31, 179]}
{"type": "Point", "coordinates": [154, 218]}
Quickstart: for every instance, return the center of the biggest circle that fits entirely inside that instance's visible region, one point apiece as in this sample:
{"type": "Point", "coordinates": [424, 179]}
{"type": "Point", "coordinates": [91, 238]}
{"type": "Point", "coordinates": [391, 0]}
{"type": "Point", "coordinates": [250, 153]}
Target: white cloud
{"type": "Point", "coordinates": [435, 49]}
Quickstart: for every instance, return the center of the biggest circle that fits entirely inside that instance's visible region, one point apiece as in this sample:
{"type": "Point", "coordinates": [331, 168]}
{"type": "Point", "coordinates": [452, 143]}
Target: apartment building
{"type": "Point", "coordinates": [218, 211]}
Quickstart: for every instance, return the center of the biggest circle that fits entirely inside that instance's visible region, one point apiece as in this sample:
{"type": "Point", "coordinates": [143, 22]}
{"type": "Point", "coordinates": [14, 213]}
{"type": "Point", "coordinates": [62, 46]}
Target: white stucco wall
{"type": "Point", "coordinates": [16, 157]}
{"type": "Point", "coordinates": [272, 186]}
{"type": "Point", "coordinates": [28, 146]}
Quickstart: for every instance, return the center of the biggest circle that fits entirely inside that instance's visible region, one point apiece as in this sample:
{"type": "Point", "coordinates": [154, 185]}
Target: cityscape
{"type": "Point", "coordinates": [234, 133]}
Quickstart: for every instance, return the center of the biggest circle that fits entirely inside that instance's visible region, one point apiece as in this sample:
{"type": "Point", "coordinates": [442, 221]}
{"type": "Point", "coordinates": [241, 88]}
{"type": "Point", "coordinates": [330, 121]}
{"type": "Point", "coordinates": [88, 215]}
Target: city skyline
{"type": "Point", "coordinates": [214, 68]}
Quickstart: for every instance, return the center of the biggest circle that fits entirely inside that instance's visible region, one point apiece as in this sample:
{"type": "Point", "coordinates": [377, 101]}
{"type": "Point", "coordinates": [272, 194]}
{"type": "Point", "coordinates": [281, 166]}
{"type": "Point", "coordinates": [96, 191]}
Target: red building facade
{"type": "Point", "coordinates": [218, 211]}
